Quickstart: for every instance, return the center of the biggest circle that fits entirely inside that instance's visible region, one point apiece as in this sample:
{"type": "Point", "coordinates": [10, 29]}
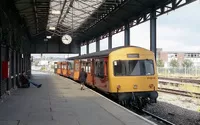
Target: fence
{"type": "Point", "coordinates": [179, 72]}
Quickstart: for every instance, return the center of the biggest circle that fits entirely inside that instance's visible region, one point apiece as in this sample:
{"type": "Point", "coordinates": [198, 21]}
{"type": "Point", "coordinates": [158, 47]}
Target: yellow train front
{"type": "Point", "coordinates": [133, 76]}
{"type": "Point", "coordinates": [127, 73]}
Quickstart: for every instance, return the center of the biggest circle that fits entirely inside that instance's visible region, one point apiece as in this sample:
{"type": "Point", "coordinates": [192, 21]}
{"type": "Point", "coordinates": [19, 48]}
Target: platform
{"type": "Point", "coordinates": [61, 102]}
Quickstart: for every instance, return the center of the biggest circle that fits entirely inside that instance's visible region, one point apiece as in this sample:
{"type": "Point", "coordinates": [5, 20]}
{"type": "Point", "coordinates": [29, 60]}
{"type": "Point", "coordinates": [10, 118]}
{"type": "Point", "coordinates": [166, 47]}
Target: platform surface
{"type": "Point", "coordinates": [61, 102]}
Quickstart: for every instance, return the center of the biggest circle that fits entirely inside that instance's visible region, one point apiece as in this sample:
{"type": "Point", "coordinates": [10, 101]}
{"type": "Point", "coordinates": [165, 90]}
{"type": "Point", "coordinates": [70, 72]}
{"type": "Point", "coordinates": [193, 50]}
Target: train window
{"type": "Point", "coordinates": [87, 67]}
{"type": "Point", "coordinates": [72, 65]}
{"type": "Point", "coordinates": [99, 69]}
{"type": "Point", "coordinates": [133, 67]}
{"type": "Point", "coordinates": [77, 66]}
{"type": "Point", "coordinates": [96, 68]}
{"type": "Point", "coordinates": [56, 66]}
{"type": "Point", "coordinates": [83, 66]}
{"type": "Point", "coordinates": [64, 67]}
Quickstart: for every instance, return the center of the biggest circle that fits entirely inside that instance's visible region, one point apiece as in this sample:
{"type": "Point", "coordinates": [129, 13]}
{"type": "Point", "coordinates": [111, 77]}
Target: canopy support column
{"type": "Point", "coordinates": [110, 40]}
{"type": "Point", "coordinates": [127, 35]}
{"type": "Point", "coordinates": [153, 32]}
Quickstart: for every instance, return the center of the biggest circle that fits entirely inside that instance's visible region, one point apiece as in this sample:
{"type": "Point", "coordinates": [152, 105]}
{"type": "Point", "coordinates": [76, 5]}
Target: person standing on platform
{"type": "Point", "coordinates": [82, 78]}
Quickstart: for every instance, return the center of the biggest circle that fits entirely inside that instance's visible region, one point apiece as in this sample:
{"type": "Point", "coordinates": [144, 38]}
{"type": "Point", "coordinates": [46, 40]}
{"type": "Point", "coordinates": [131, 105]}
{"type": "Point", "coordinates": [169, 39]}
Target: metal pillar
{"type": "Point", "coordinates": [20, 63]}
{"type": "Point", "coordinates": [80, 51]}
{"type": "Point", "coordinates": [4, 59]}
{"type": "Point", "coordinates": [13, 68]}
{"type": "Point", "coordinates": [8, 58]}
{"type": "Point", "coordinates": [25, 62]}
{"type": "Point", "coordinates": [87, 48]}
{"type": "Point", "coordinates": [110, 40]}
{"type": "Point", "coordinates": [153, 33]}
{"type": "Point", "coordinates": [28, 62]}
{"type": "Point", "coordinates": [127, 35]}
{"type": "Point", "coordinates": [1, 73]}
{"type": "Point", "coordinates": [17, 68]}
{"type": "Point", "coordinates": [97, 45]}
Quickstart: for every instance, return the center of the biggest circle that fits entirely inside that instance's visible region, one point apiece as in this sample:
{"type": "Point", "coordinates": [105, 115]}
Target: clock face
{"type": "Point", "coordinates": [66, 39]}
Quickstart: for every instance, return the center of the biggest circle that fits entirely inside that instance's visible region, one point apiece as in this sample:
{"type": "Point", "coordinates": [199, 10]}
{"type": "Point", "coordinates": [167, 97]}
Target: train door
{"type": "Point", "coordinates": [59, 68]}
{"type": "Point", "coordinates": [101, 74]}
{"type": "Point", "coordinates": [76, 69]}
{"type": "Point", "coordinates": [64, 68]}
{"type": "Point", "coordinates": [70, 69]}
{"type": "Point", "coordinates": [55, 67]}
{"type": "Point", "coordinates": [88, 69]}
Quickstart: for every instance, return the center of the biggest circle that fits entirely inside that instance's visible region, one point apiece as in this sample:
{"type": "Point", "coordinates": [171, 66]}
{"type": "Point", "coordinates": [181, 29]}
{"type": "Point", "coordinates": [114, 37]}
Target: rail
{"type": "Point", "coordinates": [185, 80]}
{"type": "Point", "coordinates": [177, 91]}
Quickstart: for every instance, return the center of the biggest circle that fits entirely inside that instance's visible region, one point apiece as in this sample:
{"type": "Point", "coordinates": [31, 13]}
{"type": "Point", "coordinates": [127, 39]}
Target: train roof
{"type": "Point", "coordinates": [99, 54]}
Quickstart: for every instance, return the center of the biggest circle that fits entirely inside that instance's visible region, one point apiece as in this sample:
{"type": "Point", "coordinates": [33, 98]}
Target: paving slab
{"type": "Point", "coordinates": [61, 102]}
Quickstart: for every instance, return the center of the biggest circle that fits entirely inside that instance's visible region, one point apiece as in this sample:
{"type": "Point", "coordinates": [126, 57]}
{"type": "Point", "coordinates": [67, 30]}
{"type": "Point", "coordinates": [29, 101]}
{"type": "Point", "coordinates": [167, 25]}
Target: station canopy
{"type": "Point", "coordinates": [86, 19]}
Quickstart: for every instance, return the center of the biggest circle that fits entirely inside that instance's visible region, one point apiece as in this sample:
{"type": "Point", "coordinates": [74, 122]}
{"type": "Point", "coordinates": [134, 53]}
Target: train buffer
{"type": "Point", "coordinates": [61, 102]}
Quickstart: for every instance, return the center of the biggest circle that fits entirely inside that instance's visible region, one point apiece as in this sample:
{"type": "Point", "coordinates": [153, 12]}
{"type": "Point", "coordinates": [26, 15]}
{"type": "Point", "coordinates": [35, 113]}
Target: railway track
{"type": "Point", "coordinates": [185, 80]}
{"type": "Point", "coordinates": [161, 120]}
{"type": "Point", "coordinates": [176, 91]}
{"type": "Point", "coordinates": [150, 116]}
{"type": "Point", "coordinates": [179, 92]}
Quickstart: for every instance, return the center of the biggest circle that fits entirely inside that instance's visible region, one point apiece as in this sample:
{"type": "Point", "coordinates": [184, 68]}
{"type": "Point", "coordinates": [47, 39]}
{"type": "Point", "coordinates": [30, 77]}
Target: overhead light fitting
{"type": "Point", "coordinates": [55, 12]}
{"type": "Point", "coordinates": [52, 28]}
{"type": "Point", "coordinates": [48, 37]}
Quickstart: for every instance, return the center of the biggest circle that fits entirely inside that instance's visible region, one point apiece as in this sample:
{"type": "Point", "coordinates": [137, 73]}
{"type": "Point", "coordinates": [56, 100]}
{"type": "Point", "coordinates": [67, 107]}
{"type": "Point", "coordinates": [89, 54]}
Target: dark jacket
{"type": "Point", "coordinates": [82, 76]}
{"type": "Point", "coordinates": [23, 79]}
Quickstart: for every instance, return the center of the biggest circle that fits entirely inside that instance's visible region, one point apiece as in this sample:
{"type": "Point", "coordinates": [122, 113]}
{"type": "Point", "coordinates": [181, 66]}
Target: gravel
{"type": "Point", "coordinates": [178, 109]}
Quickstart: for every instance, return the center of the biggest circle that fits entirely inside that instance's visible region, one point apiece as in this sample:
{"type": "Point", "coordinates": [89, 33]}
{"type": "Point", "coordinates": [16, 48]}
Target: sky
{"type": "Point", "coordinates": [178, 30]}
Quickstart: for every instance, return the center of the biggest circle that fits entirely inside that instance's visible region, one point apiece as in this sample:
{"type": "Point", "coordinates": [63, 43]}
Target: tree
{"type": "Point", "coordinates": [174, 63]}
{"type": "Point", "coordinates": [160, 63]}
{"type": "Point", "coordinates": [187, 63]}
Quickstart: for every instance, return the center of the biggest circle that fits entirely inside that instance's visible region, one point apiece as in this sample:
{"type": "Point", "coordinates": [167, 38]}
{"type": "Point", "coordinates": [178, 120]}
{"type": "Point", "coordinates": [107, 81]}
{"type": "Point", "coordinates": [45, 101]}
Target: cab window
{"type": "Point", "coordinates": [133, 67]}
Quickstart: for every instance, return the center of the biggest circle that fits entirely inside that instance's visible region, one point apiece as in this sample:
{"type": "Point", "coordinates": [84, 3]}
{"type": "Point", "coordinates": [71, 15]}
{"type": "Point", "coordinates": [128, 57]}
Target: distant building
{"type": "Point", "coordinates": [167, 56]}
{"type": "Point", "coordinates": [43, 62]}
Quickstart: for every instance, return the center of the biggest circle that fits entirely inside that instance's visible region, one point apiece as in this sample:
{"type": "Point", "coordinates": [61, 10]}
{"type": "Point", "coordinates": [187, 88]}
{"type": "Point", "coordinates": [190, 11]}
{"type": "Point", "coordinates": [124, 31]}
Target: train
{"type": "Point", "coordinates": [128, 74]}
